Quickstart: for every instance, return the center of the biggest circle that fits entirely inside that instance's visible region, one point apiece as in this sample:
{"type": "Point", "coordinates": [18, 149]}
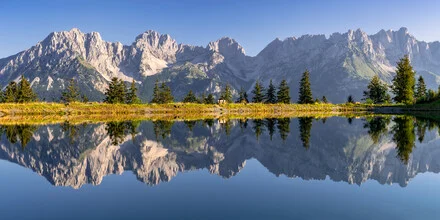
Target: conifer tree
{"type": "Point", "coordinates": [71, 93]}
{"type": "Point", "coordinates": [11, 92]}
{"type": "Point", "coordinates": [283, 94]}
{"type": "Point", "coordinates": [84, 98]}
{"type": "Point", "coordinates": [190, 97]}
{"type": "Point", "coordinates": [271, 96]}
{"type": "Point", "coordinates": [377, 91]}
{"type": "Point", "coordinates": [25, 92]}
{"type": "Point", "coordinates": [404, 82]}
{"type": "Point", "coordinates": [305, 92]}
{"type": "Point", "coordinates": [116, 91]}
{"type": "Point", "coordinates": [202, 99]}
{"type": "Point", "coordinates": [421, 90]}
{"type": "Point", "coordinates": [227, 94]}
{"type": "Point", "coordinates": [156, 93]}
{"type": "Point", "coordinates": [350, 99]}
{"type": "Point", "coordinates": [210, 99]}
{"type": "Point", "coordinates": [131, 95]}
{"type": "Point", "coordinates": [324, 100]}
{"type": "Point", "coordinates": [242, 96]}
{"type": "Point", "coordinates": [258, 93]}
{"type": "Point", "coordinates": [165, 94]}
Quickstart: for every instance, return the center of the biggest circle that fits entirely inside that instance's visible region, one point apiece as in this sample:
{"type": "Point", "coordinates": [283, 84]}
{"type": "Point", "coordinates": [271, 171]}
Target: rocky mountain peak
{"type": "Point", "coordinates": [228, 47]}
{"type": "Point", "coordinates": [154, 39]}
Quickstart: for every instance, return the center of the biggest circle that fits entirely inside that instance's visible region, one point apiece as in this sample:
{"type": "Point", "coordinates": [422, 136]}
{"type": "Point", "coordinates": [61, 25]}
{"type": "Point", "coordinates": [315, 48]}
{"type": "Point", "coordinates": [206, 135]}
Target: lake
{"type": "Point", "coordinates": [381, 167]}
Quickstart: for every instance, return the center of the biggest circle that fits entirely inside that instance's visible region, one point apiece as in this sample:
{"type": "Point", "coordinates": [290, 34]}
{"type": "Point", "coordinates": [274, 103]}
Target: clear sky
{"type": "Point", "coordinates": [252, 23]}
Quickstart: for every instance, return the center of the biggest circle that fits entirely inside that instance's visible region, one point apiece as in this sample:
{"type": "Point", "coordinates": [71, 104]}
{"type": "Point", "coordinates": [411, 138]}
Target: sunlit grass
{"type": "Point", "coordinates": [50, 113]}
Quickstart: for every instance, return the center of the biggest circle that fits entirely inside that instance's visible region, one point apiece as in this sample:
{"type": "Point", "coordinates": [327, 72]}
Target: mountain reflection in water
{"type": "Point", "coordinates": [388, 149]}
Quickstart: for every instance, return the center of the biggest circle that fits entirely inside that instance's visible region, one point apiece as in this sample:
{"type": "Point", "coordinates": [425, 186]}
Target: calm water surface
{"type": "Point", "coordinates": [302, 168]}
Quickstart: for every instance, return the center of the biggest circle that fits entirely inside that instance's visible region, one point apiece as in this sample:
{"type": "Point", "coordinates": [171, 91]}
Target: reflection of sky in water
{"type": "Point", "coordinates": [253, 194]}
{"type": "Point", "coordinates": [318, 188]}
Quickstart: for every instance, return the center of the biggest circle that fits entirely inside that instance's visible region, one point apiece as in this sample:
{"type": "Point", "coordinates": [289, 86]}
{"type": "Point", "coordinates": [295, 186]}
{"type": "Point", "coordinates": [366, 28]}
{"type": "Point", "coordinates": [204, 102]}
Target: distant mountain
{"type": "Point", "coordinates": [340, 65]}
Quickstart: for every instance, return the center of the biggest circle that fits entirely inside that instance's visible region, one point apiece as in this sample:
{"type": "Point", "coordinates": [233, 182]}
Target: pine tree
{"type": "Point", "coordinates": [242, 96]}
{"type": "Point", "coordinates": [324, 100]}
{"type": "Point", "coordinates": [11, 92]}
{"type": "Point", "coordinates": [271, 96]}
{"type": "Point", "coordinates": [190, 97]}
{"type": "Point", "coordinates": [305, 92]}
{"type": "Point", "coordinates": [350, 99]}
{"type": "Point", "coordinates": [131, 96]}
{"type": "Point", "coordinates": [283, 94]}
{"type": "Point", "coordinates": [116, 91]}
{"type": "Point", "coordinates": [404, 82]}
{"type": "Point", "coordinates": [377, 91]}
{"type": "Point", "coordinates": [84, 98]}
{"type": "Point", "coordinates": [156, 93]}
{"type": "Point", "coordinates": [202, 99]}
{"type": "Point", "coordinates": [165, 94]}
{"type": "Point", "coordinates": [227, 94]}
{"type": "Point", "coordinates": [421, 90]}
{"type": "Point", "coordinates": [210, 99]}
{"type": "Point", "coordinates": [25, 92]}
{"type": "Point", "coordinates": [71, 93]}
{"type": "Point", "coordinates": [258, 93]}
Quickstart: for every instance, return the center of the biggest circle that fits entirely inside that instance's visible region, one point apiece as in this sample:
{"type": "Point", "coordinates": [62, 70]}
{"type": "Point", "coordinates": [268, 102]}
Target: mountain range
{"type": "Point", "coordinates": [340, 65]}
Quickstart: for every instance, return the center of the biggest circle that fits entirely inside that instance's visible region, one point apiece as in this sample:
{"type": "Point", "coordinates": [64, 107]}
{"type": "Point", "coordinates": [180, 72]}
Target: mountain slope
{"type": "Point", "coordinates": [340, 65]}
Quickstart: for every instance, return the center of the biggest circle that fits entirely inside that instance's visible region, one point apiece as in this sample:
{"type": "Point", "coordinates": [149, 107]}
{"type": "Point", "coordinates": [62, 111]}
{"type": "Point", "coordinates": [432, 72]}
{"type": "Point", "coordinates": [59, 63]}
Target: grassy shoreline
{"type": "Point", "coordinates": [43, 108]}
{"type": "Point", "coordinates": [42, 112]}
{"type": "Point", "coordinates": [51, 113]}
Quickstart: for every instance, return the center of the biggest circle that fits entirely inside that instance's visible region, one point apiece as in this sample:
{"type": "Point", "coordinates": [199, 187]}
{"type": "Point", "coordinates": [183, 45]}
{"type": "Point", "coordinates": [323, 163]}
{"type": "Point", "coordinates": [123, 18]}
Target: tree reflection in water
{"type": "Point", "coordinates": [118, 130]}
{"type": "Point", "coordinates": [305, 128]}
{"type": "Point", "coordinates": [18, 133]}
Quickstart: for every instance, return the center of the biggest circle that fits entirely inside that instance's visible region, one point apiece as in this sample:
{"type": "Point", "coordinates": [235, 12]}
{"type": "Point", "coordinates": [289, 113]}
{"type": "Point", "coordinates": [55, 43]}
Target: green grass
{"type": "Point", "coordinates": [43, 108]}
{"type": "Point", "coordinates": [43, 113]}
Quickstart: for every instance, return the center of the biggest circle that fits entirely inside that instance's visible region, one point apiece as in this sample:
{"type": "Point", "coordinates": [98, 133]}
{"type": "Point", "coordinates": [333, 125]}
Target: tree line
{"type": "Point", "coordinates": [404, 87]}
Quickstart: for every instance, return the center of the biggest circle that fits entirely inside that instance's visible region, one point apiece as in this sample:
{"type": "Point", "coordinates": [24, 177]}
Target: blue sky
{"type": "Point", "coordinates": [252, 23]}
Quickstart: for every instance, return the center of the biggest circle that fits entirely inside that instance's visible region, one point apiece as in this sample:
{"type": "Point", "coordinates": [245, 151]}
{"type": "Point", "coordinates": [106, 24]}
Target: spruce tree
{"type": "Point", "coordinates": [421, 90]}
{"type": "Point", "coordinates": [305, 92]}
{"type": "Point", "coordinates": [271, 96]}
{"type": "Point", "coordinates": [84, 98]}
{"type": "Point", "coordinates": [116, 91]}
{"type": "Point", "coordinates": [156, 93]}
{"type": "Point", "coordinates": [25, 92]}
{"type": "Point", "coordinates": [242, 96]}
{"type": "Point", "coordinates": [11, 92]}
{"type": "Point", "coordinates": [210, 99]}
{"type": "Point", "coordinates": [71, 93]}
{"type": "Point", "coordinates": [165, 94]}
{"type": "Point", "coordinates": [131, 96]}
{"type": "Point", "coordinates": [258, 93]}
{"type": "Point", "coordinates": [377, 91]}
{"type": "Point", "coordinates": [227, 94]}
{"type": "Point", "coordinates": [202, 99]}
{"type": "Point", "coordinates": [190, 97]}
{"type": "Point", "coordinates": [404, 82]}
{"type": "Point", "coordinates": [324, 100]}
{"type": "Point", "coordinates": [350, 99]}
{"type": "Point", "coordinates": [283, 94]}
